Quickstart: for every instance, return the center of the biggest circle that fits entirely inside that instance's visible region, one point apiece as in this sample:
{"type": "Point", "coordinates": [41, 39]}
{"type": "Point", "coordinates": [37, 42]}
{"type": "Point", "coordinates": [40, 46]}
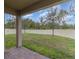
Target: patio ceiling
{"type": "Point", "coordinates": [27, 6]}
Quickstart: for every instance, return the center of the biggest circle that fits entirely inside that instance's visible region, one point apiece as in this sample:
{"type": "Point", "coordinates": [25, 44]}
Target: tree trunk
{"type": "Point", "coordinates": [53, 32]}
{"type": "Point", "coordinates": [52, 27]}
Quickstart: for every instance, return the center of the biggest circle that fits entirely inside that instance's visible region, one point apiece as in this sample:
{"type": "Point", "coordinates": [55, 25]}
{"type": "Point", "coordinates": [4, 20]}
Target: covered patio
{"type": "Point", "coordinates": [19, 8]}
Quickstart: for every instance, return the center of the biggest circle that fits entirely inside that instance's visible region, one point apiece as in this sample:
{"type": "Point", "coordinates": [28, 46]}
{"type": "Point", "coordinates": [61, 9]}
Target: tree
{"type": "Point", "coordinates": [28, 23]}
{"type": "Point", "coordinates": [61, 15]}
{"type": "Point", "coordinates": [55, 16]}
{"type": "Point", "coordinates": [51, 17]}
{"type": "Point", "coordinates": [42, 23]}
{"type": "Point", "coordinates": [10, 24]}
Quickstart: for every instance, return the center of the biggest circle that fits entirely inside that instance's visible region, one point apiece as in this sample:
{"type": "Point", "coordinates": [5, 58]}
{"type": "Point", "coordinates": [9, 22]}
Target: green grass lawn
{"type": "Point", "coordinates": [54, 47]}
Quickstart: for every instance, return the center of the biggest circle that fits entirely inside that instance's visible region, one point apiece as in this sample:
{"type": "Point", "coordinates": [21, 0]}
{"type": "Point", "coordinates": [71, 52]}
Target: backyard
{"type": "Point", "coordinates": [39, 29]}
{"type": "Point", "coordinates": [54, 47]}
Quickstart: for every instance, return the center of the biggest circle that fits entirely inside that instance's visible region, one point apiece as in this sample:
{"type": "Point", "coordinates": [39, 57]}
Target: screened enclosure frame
{"type": "Point", "coordinates": [22, 7]}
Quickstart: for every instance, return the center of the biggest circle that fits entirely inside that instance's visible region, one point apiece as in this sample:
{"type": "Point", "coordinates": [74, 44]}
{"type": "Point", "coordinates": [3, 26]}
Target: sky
{"type": "Point", "coordinates": [36, 15]}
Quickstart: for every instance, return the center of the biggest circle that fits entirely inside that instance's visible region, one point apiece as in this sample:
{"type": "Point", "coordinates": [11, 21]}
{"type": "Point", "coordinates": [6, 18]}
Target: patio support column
{"type": "Point", "coordinates": [18, 31]}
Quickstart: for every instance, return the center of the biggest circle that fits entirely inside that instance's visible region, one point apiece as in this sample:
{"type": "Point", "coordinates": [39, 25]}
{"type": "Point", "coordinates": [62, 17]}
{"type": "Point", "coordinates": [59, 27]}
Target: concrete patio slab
{"type": "Point", "coordinates": [22, 53]}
